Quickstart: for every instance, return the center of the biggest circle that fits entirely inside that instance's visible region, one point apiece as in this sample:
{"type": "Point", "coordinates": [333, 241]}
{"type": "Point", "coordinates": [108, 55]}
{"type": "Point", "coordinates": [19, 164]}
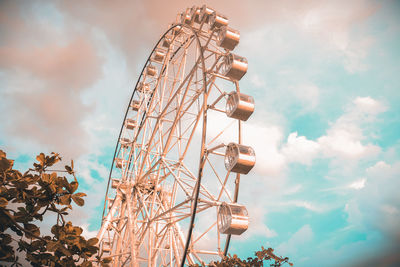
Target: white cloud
{"type": "Point", "coordinates": [357, 185]}
{"type": "Point", "coordinates": [368, 105]}
{"type": "Point", "coordinates": [331, 25]}
{"type": "Point", "coordinates": [306, 205]}
{"type": "Point", "coordinates": [257, 81]}
{"type": "Point", "coordinates": [308, 94]}
{"type": "Point", "coordinates": [377, 205]}
{"type": "Point", "coordinates": [265, 140]}
{"type": "Point", "coordinates": [344, 144]}
{"type": "Point", "coordinates": [257, 225]}
{"type": "Point", "coordinates": [299, 149]}
{"type": "Point", "coordinates": [344, 139]}
{"type": "Point", "coordinates": [300, 238]}
{"type": "Point", "coordinates": [378, 169]}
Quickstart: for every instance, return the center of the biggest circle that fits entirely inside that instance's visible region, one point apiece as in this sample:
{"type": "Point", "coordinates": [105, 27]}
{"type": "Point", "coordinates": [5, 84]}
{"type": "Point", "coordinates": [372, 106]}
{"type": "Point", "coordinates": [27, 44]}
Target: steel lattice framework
{"type": "Point", "coordinates": [179, 153]}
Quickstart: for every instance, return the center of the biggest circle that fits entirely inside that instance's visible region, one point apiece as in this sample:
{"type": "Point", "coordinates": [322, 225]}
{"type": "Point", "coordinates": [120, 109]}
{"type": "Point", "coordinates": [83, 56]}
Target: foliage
{"type": "Point", "coordinates": [25, 199]}
{"type": "Point", "coordinates": [258, 261]}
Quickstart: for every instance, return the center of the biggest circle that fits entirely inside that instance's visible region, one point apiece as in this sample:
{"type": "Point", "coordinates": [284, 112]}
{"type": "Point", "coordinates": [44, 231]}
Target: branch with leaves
{"type": "Point", "coordinates": [257, 261]}
{"type": "Point", "coordinates": [24, 201]}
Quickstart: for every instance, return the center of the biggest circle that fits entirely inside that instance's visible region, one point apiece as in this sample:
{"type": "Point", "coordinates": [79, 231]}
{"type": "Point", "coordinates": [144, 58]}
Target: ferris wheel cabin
{"type": "Point", "coordinates": [239, 158]}
{"type": "Point", "coordinates": [235, 67]}
{"type": "Point", "coordinates": [239, 106]}
{"type": "Point", "coordinates": [233, 218]}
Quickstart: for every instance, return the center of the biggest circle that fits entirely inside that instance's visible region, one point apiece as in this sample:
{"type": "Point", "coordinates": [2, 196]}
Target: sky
{"type": "Point", "coordinates": [326, 130]}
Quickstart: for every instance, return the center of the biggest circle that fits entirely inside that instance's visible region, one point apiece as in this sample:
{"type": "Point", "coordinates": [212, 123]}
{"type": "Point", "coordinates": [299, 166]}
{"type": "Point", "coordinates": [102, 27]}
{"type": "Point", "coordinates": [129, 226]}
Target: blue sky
{"type": "Point", "coordinates": [326, 81]}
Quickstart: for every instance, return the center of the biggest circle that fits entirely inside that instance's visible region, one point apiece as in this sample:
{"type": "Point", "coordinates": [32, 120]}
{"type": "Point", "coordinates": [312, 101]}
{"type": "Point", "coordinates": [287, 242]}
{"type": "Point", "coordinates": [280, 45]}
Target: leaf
{"type": "Point", "coordinates": [79, 201]}
{"type": "Point", "coordinates": [6, 238]}
{"type": "Point", "coordinates": [5, 164]}
{"type": "Point", "coordinates": [80, 194]}
{"type": "Point", "coordinates": [86, 264]}
{"type": "Point", "coordinates": [32, 229]}
{"type": "Point", "coordinates": [53, 176]}
{"type": "Point", "coordinates": [73, 186]}
{"type": "Point", "coordinates": [41, 158]}
{"type": "Point", "coordinates": [65, 199]}
{"type": "Point", "coordinates": [51, 246]}
{"type": "Point", "coordinates": [92, 241]}
{"type": "Point", "coordinates": [3, 202]}
{"type": "Point", "coordinates": [77, 230]}
{"type": "Point", "coordinates": [45, 177]}
{"type": "Point", "coordinates": [68, 169]}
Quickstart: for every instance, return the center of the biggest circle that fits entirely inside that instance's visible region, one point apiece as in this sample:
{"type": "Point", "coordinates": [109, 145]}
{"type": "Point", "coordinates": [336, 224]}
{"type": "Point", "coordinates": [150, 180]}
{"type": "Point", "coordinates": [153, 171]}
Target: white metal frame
{"type": "Point", "coordinates": [173, 166]}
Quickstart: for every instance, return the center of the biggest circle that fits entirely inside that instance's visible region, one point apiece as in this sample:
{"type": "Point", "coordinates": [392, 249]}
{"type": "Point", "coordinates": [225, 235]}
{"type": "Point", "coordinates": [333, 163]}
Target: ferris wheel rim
{"type": "Point", "coordinates": [135, 90]}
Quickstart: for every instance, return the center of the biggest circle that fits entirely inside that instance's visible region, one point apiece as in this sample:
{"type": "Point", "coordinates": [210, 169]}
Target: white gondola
{"type": "Point", "coordinates": [151, 70]}
{"type": "Point", "coordinates": [186, 17]}
{"type": "Point", "coordinates": [167, 41]}
{"type": "Point", "coordinates": [218, 20]}
{"type": "Point", "coordinates": [130, 124]}
{"type": "Point", "coordinates": [158, 56]}
{"type": "Point", "coordinates": [239, 158]}
{"type": "Point", "coordinates": [205, 13]}
{"type": "Point", "coordinates": [232, 219]}
{"type": "Point", "coordinates": [135, 105]}
{"type": "Point", "coordinates": [119, 163]}
{"type": "Point", "coordinates": [125, 142]}
{"type": "Point", "coordinates": [176, 30]}
{"type": "Point", "coordinates": [235, 67]}
{"type": "Point", "coordinates": [195, 14]}
{"type": "Point", "coordinates": [143, 87]}
{"type": "Point", "coordinates": [114, 183]}
{"type": "Point", "coordinates": [228, 38]}
{"type": "Point", "coordinates": [239, 106]}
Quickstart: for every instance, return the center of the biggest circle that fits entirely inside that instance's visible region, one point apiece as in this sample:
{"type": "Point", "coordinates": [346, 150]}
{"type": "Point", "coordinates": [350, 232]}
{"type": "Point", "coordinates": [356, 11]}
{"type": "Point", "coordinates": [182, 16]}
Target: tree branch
{"type": "Point", "coordinates": [21, 228]}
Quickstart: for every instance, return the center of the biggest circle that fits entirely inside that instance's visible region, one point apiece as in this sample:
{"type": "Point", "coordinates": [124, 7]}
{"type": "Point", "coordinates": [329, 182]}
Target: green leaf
{"type": "Point", "coordinates": [32, 229]}
{"type": "Point", "coordinates": [92, 241]}
{"type": "Point", "coordinates": [6, 238]}
{"type": "Point", "coordinates": [73, 186]}
{"type": "Point", "coordinates": [5, 164]}
{"type": "Point", "coordinates": [77, 230]}
{"type": "Point", "coordinates": [65, 199]}
{"type": "Point", "coordinates": [80, 194]}
{"type": "Point", "coordinates": [51, 246]}
{"type": "Point", "coordinates": [68, 169]}
{"type": "Point", "coordinates": [41, 158]}
{"type": "Point", "coordinates": [45, 177]}
{"type": "Point", "coordinates": [86, 264]}
{"type": "Point", "coordinates": [53, 176]}
{"type": "Point", "coordinates": [79, 201]}
{"type": "Point", "coordinates": [3, 202]}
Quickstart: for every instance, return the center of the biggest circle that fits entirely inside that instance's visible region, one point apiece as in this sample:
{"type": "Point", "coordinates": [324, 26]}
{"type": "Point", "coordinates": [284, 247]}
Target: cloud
{"type": "Point", "coordinates": [46, 69]}
{"type": "Point", "coordinates": [258, 225]}
{"type": "Point", "coordinates": [74, 66]}
{"type": "Point", "coordinates": [357, 185]}
{"type": "Point", "coordinates": [344, 139]}
{"type": "Point", "coordinates": [300, 149]}
{"type": "Point", "coordinates": [45, 88]}
{"type": "Point", "coordinates": [257, 81]}
{"type": "Point", "coordinates": [308, 94]}
{"type": "Point", "coordinates": [300, 238]}
{"type": "Point", "coordinates": [266, 140]}
{"type": "Point", "coordinates": [332, 26]}
{"type": "Point", "coordinates": [377, 203]}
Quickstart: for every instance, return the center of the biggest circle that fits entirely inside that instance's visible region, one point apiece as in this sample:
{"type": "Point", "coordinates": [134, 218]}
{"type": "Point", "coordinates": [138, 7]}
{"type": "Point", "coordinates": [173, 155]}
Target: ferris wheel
{"type": "Point", "coordinates": [172, 194]}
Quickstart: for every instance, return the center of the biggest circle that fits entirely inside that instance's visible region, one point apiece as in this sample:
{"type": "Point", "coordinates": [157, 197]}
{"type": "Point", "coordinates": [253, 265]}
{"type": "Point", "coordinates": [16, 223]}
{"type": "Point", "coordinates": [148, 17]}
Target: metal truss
{"type": "Point", "coordinates": [175, 163]}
